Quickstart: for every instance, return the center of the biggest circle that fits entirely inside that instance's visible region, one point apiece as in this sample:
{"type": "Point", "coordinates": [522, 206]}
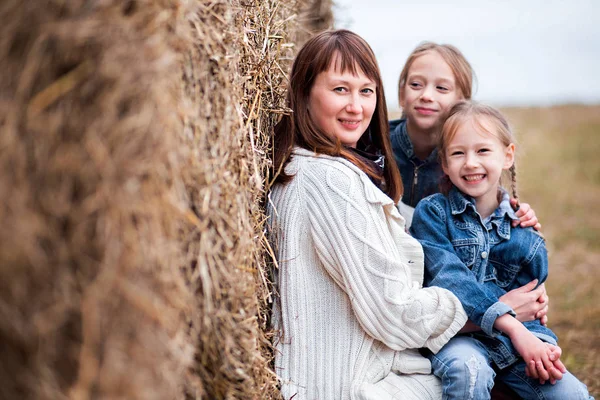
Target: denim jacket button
{"type": "Point", "coordinates": [484, 254]}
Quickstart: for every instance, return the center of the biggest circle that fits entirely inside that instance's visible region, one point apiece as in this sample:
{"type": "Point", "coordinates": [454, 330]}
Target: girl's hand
{"type": "Point", "coordinates": [556, 372]}
{"type": "Point", "coordinates": [559, 368]}
{"type": "Point", "coordinates": [526, 215]}
{"type": "Point", "coordinates": [536, 355]}
{"type": "Point", "coordinates": [527, 302]}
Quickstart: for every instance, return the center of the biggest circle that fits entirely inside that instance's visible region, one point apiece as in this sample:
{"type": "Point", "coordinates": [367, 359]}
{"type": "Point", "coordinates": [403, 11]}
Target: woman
{"type": "Point", "coordinates": [352, 311]}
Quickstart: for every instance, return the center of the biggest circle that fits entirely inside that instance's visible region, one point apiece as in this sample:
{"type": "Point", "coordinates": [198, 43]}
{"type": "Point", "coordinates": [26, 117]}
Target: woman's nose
{"type": "Point", "coordinates": [354, 106]}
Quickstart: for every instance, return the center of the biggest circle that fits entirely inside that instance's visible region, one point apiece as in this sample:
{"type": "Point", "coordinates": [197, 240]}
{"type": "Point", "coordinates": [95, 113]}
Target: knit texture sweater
{"type": "Point", "coordinates": [351, 308]}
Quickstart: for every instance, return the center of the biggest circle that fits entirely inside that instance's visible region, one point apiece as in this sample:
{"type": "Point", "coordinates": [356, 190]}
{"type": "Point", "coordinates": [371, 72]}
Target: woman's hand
{"type": "Point", "coordinates": [526, 215]}
{"type": "Point", "coordinates": [528, 302]}
{"type": "Point", "coordinates": [543, 300]}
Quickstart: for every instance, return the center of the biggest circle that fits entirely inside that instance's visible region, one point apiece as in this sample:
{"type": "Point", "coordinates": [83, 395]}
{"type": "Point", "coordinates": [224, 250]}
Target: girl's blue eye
{"type": "Point", "coordinates": [414, 84]}
{"type": "Point", "coordinates": [339, 89]}
{"type": "Point", "coordinates": [484, 150]}
{"type": "Point", "coordinates": [368, 91]}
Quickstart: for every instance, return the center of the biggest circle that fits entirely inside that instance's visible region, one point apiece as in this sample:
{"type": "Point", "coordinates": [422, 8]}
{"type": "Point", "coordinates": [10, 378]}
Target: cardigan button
{"type": "Point", "coordinates": [484, 254]}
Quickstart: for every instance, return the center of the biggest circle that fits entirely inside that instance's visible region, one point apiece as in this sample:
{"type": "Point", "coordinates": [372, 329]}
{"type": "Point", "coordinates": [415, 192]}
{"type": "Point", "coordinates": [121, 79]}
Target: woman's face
{"type": "Point", "coordinates": [342, 104]}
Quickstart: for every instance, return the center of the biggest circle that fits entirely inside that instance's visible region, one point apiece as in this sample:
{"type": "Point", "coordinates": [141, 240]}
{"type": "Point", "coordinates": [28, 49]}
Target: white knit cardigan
{"type": "Point", "coordinates": [352, 310]}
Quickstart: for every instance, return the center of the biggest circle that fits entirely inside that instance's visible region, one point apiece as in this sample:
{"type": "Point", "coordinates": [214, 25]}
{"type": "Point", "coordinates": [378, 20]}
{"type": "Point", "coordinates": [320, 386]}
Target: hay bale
{"type": "Point", "coordinates": [89, 293]}
{"type": "Point", "coordinates": [235, 88]}
{"type": "Point", "coordinates": [134, 160]}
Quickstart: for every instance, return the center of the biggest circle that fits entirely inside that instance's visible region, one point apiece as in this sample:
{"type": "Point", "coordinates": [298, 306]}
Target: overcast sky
{"type": "Point", "coordinates": [524, 52]}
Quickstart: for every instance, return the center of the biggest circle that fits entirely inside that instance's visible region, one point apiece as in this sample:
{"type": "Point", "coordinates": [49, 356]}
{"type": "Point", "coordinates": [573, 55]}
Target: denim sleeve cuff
{"type": "Point", "coordinates": [489, 317]}
{"type": "Point", "coordinates": [545, 338]}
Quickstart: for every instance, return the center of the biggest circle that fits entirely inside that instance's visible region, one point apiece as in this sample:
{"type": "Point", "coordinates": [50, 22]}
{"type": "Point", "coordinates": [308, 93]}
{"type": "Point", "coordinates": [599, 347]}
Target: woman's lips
{"type": "Point", "coordinates": [350, 123]}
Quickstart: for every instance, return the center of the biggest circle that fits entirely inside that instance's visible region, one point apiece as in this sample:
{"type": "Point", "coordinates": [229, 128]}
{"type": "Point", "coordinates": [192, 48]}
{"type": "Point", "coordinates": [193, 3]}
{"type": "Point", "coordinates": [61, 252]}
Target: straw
{"type": "Point", "coordinates": [134, 155]}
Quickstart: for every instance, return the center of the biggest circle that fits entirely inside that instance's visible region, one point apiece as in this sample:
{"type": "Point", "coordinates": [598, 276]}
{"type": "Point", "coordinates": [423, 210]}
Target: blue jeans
{"type": "Point", "coordinates": [465, 368]}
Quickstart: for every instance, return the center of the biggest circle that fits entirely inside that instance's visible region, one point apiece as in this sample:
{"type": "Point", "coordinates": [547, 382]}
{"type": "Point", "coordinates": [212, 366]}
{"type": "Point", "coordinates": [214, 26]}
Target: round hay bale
{"type": "Point", "coordinates": [90, 296]}
{"type": "Point", "coordinates": [134, 155]}
{"type": "Point", "coordinates": [234, 89]}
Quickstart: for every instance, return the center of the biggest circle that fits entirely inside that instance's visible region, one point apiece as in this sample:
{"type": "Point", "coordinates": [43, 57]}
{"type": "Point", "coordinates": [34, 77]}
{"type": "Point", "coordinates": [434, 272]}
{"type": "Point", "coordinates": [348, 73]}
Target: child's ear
{"type": "Point", "coordinates": [509, 156]}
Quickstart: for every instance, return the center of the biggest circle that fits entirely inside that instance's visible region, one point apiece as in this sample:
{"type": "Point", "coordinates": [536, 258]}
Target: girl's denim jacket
{"type": "Point", "coordinates": [479, 261]}
{"type": "Point", "coordinates": [420, 178]}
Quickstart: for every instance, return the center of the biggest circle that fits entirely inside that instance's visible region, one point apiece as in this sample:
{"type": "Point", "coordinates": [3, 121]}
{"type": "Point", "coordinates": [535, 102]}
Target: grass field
{"type": "Point", "coordinates": [558, 165]}
{"type": "Point", "coordinates": [559, 175]}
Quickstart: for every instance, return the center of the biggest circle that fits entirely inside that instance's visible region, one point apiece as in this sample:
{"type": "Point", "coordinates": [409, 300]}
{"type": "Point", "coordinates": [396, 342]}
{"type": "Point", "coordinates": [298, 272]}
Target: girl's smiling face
{"type": "Point", "coordinates": [474, 160]}
{"type": "Point", "coordinates": [342, 104]}
{"type": "Point", "coordinates": [429, 93]}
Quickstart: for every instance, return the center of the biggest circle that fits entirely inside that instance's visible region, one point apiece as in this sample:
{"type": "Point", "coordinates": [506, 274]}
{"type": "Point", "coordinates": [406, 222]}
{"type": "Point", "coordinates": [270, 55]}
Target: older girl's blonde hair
{"type": "Point", "coordinates": [477, 113]}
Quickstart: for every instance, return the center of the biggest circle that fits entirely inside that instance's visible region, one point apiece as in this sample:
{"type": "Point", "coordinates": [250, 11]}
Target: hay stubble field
{"type": "Point", "coordinates": [558, 159]}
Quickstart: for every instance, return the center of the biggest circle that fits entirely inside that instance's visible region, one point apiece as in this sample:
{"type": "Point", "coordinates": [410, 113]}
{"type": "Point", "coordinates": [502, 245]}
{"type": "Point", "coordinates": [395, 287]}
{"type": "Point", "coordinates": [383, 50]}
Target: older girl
{"type": "Point", "coordinates": [352, 309]}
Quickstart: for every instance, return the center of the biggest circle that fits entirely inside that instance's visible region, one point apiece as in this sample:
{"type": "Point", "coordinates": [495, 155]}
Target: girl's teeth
{"type": "Point", "coordinates": [474, 177]}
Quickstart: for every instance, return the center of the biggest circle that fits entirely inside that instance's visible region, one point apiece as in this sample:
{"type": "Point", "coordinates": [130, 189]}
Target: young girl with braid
{"type": "Point", "coordinates": [472, 249]}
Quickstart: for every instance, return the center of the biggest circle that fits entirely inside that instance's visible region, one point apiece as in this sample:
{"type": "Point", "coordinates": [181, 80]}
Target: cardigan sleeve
{"type": "Point", "coordinates": [352, 237]}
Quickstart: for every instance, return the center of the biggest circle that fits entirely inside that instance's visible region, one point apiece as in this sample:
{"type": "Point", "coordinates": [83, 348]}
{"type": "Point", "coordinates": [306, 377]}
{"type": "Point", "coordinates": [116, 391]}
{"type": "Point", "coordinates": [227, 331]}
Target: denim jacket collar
{"type": "Point", "coordinates": [459, 203]}
{"type": "Point", "coordinates": [400, 135]}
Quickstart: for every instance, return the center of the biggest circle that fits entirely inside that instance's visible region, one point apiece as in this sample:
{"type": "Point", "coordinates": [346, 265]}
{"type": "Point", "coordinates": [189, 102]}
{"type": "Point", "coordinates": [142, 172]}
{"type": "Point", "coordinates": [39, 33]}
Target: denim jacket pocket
{"type": "Point", "coordinates": [466, 249]}
{"type": "Point", "coordinates": [503, 274]}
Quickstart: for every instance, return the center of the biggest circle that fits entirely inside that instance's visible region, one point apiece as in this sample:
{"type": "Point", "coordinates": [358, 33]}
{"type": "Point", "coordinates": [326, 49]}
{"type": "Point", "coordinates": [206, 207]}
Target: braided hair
{"type": "Point", "coordinates": [513, 181]}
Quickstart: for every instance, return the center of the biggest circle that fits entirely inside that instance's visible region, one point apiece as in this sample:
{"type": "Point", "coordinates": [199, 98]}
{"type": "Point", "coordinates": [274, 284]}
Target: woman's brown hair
{"type": "Point", "coordinates": [351, 53]}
